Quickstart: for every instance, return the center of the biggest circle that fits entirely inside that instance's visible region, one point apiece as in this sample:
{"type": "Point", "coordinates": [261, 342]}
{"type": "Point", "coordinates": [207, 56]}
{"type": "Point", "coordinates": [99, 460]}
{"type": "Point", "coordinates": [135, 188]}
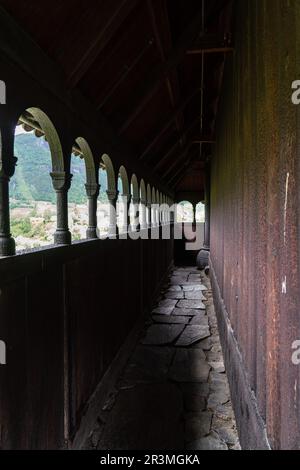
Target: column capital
{"type": "Point", "coordinates": [61, 181]}
{"type": "Point", "coordinates": [126, 198]}
{"type": "Point", "coordinates": [92, 189]}
{"type": "Point", "coordinates": [7, 169]}
{"type": "Point", "coordinates": [136, 200]}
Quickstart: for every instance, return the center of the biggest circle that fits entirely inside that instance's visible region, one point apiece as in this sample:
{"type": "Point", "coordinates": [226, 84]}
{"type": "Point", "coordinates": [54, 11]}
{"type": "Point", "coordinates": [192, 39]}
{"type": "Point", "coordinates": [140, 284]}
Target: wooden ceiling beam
{"type": "Point", "coordinates": [171, 150]}
{"type": "Point", "coordinates": [180, 170]}
{"type": "Point", "coordinates": [129, 68]}
{"type": "Point", "coordinates": [177, 160]}
{"type": "Point", "coordinates": [211, 50]}
{"type": "Point", "coordinates": [177, 54]}
{"type": "Point", "coordinates": [101, 40]}
{"type": "Point", "coordinates": [160, 73]}
{"type": "Point", "coordinates": [180, 176]}
{"type": "Point", "coordinates": [204, 141]}
{"type": "Point", "coordinates": [168, 122]}
{"type": "Point", "coordinates": [158, 13]}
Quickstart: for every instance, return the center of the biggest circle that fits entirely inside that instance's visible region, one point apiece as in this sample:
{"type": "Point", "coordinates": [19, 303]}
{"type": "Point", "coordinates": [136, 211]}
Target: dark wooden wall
{"type": "Point", "coordinates": [64, 313]}
{"type": "Point", "coordinates": [255, 222]}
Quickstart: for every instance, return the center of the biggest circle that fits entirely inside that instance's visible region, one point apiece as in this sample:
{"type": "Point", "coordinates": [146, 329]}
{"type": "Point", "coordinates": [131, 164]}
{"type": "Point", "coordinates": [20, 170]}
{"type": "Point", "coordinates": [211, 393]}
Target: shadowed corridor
{"type": "Point", "coordinates": [173, 392]}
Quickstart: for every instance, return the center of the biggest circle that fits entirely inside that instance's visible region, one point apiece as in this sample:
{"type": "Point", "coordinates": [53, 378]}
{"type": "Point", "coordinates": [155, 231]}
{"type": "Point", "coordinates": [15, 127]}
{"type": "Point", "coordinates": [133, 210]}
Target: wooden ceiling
{"type": "Point", "coordinates": [153, 68]}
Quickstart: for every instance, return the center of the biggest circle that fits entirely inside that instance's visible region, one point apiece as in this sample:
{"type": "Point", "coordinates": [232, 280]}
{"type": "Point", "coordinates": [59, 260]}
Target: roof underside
{"type": "Point", "coordinates": [141, 63]}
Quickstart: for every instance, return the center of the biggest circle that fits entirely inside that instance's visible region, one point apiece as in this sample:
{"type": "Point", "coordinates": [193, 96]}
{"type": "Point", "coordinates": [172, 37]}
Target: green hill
{"type": "Point", "coordinates": [32, 182]}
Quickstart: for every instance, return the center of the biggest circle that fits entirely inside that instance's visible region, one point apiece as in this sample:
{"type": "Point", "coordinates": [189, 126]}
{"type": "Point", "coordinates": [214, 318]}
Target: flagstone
{"type": "Point", "coordinates": [191, 304]}
{"type": "Point", "coordinates": [163, 310]}
{"type": "Point", "coordinates": [188, 367]}
{"type": "Point", "coordinates": [192, 334]}
{"type": "Point", "coordinates": [170, 319]}
{"type": "Point", "coordinates": [159, 334]}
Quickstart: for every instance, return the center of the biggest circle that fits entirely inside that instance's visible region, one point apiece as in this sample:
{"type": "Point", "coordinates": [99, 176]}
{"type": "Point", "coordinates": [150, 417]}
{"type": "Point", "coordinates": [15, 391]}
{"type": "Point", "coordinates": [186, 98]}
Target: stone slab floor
{"type": "Point", "coordinates": [173, 393]}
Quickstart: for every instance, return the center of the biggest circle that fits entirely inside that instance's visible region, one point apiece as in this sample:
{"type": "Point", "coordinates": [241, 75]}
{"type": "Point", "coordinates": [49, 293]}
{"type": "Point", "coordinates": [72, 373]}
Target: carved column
{"type": "Point", "coordinates": [136, 214]}
{"type": "Point", "coordinates": [61, 184]}
{"type": "Point", "coordinates": [153, 216]}
{"type": "Point", "coordinates": [112, 200]}
{"type": "Point", "coordinates": [166, 212]}
{"type": "Point", "coordinates": [194, 214]}
{"type": "Point", "coordinates": [162, 212]}
{"type": "Point", "coordinates": [149, 210]}
{"type": "Point", "coordinates": [7, 243]}
{"type": "Point", "coordinates": [172, 213]}
{"type": "Point", "coordinates": [7, 169]}
{"type": "Point", "coordinates": [92, 191]}
{"type": "Point", "coordinates": [125, 222]}
{"type": "Point", "coordinates": [143, 218]}
{"type": "Point", "coordinates": [207, 207]}
{"type": "Point", "coordinates": [157, 215]}
{"type": "Point", "coordinates": [127, 211]}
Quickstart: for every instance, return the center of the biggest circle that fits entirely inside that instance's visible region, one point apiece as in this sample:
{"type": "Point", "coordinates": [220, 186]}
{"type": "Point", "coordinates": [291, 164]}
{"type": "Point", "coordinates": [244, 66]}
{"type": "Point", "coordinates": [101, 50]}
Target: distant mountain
{"type": "Point", "coordinates": [32, 182]}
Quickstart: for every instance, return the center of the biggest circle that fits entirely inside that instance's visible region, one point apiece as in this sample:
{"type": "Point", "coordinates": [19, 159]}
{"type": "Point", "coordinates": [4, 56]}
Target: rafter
{"type": "Point", "coordinates": [179, 177]}
{"type": "Point", "coordinates": [158, 12]}
{"type": "Point", "coordinates": [210, 50]}
{"type": "Point", "coordinates": [181, 169]}
{"type": "Point", "coordinates": [177, 160]}
{"type": "Point", "coordinates": [160, 73]}
{"type": "Point", "coordinates": [177, 54]}
{"type": "Point", "coordinates": [203, 141]}
{"type": "Point", "coordinates": [111, 90]}
{"type": "Point", "coordinates": [170, 151]}
{"type": "Point", "coordinates": [169, 121]}
{"type": "Point", "coordinates": [102, 39]}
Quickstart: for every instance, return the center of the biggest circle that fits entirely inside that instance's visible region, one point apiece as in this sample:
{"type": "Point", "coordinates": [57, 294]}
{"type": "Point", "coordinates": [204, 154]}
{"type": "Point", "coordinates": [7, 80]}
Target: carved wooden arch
{"type": "Point", "coordinates": [110, 173]}
{"type": "Point", "coordinates": [124, 179]}
{"type": "Point", "coordinates": [52, 137]}
{"type": "Point", "coordinates": [153, 196]}
{"type": "Point", "coordinates": [157, 197]}
{"type": "Point", "coordinates": [91, 177]}
{"type": "Point", "coordinates": [143, 191]}
{"type": "Point", "coordinates": [135, 187]}
{"type": "Point", "coordinates": [149, 194]}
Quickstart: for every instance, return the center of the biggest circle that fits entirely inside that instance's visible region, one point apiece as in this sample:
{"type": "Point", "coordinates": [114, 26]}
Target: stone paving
{"type": "Point", "coordinates": [173, 393]}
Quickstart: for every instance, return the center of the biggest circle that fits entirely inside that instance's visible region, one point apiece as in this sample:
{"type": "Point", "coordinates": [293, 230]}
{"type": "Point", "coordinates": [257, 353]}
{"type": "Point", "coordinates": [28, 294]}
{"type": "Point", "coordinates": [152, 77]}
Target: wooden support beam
{"type": "Point", "coordinates": [170, 151]}
{"type": "Point", "coordinates": [112, 89]}
{"type": "Point", "coordinates": [181, 171]}
{"type": "Point", "coordinates": [210, 50]}
{"type": "Point", "coordinates": [160, 73]}
{"type": "Point", "coordinates": [203, 141]}
{"type": "Point", "coordinates": [182, 168]}
{"type": "Point", "coordinates": [160, 24]}
{"type": "Point", "coordinates": [169, 121]}
{"type": "Point", "coordinates": [179, 176]}
{"type": "Point", "coordinates": [177, 161]}
{"type": "Point", "coordinates": [101, 40]}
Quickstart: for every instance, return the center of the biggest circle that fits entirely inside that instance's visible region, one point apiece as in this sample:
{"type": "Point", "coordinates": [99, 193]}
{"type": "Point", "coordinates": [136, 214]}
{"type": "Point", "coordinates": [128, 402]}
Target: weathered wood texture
{"type": "Point", "coordinates": [255, 212]}
{"type": "Point", "coordinates": [65, 312]}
